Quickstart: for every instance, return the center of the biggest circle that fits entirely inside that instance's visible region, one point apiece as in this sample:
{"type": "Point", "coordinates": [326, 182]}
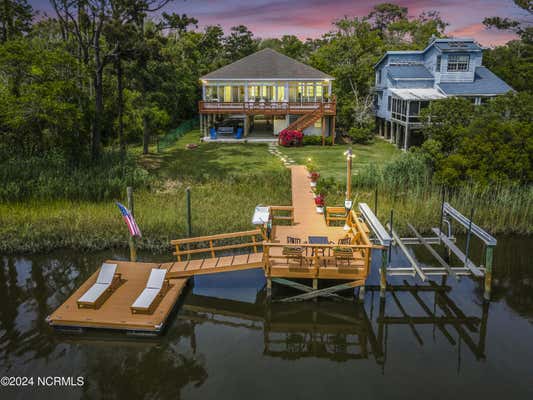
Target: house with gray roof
{"type": "Point", "coordinates": [263, 94]}
{"type": "Point", "coordinates": [406, 81]}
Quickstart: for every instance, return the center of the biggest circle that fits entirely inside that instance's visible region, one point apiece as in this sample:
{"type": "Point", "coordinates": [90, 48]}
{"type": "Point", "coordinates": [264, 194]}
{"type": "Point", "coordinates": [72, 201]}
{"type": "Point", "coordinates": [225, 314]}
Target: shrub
{"type": "Point", "coordinates": [315, 140]}
{"type": "Point", "coordinates": [290, 138]}
{"type": "Point", "coordinates": [363, 135]}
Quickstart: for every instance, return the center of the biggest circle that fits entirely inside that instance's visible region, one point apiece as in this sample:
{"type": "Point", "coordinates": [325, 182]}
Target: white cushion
{"type": "Point", "coordinates": [94, 293]}
{"type": "Point", "coordinates": [146, 298]}
{"type": "Point", "coordinates": [156, 279]}
{"type": "Point", "coordinates": [106, 273]}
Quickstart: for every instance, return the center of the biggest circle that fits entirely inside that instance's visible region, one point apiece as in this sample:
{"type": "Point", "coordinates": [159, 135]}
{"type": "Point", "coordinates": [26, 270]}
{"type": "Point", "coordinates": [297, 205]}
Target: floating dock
{"type": "Point", "coordinates": [115, 312]}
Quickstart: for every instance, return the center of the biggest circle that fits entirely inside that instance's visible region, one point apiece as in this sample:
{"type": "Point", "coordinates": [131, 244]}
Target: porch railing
{"type": "Point", "coordinates": [267, 107]}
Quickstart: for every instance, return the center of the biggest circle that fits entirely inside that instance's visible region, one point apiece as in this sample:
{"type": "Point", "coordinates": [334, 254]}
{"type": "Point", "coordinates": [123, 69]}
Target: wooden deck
{"type": "Point", "coordinates": [267, 108]}
{"type": "Point", "coordinates": [220, 253]}
{"type": "Point", "coordinates": [115, 311]}
{"type": "Point", "coordinates": [307, 222]}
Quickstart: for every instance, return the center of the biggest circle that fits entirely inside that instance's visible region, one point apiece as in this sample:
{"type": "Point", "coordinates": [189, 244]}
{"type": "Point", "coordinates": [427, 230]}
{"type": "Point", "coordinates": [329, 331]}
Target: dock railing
{"type": "Point", "coordinates": [282, 214]}
{"type": "Point", "coordinates": [335, 214]}
{"type": "Point", "coordinates": [317, 256]}
{"type": "Point", "coordinates": [357, 229]}
{"type": "Point", "coordinates": [207, 244]}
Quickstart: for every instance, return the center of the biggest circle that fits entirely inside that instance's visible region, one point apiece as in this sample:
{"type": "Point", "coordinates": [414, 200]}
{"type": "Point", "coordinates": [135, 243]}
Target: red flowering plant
{"type": "Point", "coordinates": [320, 200]}
{"type": "Point", "coordinates": [314, 176]}
{"type": "Point", "coordinates": [290, 138]}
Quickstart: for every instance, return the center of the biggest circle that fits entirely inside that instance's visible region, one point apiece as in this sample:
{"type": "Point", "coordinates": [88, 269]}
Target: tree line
{"type": "Point", "coordinates": [100, 74]}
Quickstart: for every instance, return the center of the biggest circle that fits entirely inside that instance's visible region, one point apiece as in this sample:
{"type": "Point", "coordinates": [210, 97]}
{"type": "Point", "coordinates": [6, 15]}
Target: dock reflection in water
{"type": "Point", "coordinates": [344, 331]}
{"type": "Point", "coordinates": [224, 337]}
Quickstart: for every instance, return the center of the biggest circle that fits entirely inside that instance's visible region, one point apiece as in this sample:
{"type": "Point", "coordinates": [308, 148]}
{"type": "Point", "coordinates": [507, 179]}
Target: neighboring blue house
{"type": "Point", "coordinates": [406, 81]}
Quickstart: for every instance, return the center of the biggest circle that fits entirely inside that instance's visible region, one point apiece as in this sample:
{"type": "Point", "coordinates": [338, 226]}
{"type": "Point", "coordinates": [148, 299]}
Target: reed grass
{"type": "Point", "coordinates": [500, 208]}
{"type": "Point", "coordinates": [217, 207]}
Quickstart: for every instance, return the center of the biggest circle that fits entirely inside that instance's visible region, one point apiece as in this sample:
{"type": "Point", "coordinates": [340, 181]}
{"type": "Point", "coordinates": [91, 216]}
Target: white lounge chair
{"type": "Point", "coordinates": [106, 282]}
{"type": "Point", "coordinates": [156, 286]}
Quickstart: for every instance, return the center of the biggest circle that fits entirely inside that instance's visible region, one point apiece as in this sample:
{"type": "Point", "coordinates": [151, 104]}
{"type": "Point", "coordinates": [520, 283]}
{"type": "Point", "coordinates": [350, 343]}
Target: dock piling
{"type": "Point", "coordinates": [488, 271]}
{"type": "Point", "coordinates": [189, 226]}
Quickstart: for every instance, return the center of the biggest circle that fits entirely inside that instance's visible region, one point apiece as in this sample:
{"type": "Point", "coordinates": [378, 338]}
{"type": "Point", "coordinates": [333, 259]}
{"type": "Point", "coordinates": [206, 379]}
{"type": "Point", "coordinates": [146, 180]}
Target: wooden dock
{"type": "Point", "coordinates": [234, 252]}
{"type": "Point", "coordinates": [115, 312]}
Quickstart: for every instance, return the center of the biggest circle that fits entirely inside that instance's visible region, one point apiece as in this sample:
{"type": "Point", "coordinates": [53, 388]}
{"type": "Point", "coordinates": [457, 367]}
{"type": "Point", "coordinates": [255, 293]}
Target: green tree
{"type": "Point", "coordinates": [348, 53]}
{"type": "Point", "coordinates": [487, 144]}
{"type": "Point", "coordinates": [15, 19]}
{"type": "Point", "coordinates": [240, 43]}
{"type": "Point", "coordinates": [521, 28]}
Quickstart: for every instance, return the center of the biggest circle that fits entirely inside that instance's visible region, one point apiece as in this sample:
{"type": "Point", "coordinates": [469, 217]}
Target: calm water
{"type": "Point", "coordinates": [224, 342]}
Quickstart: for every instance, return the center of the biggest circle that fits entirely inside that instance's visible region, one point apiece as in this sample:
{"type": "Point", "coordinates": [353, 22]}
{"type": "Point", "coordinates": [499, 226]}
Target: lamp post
{"type": "Point", "coordinates": [348, 202]}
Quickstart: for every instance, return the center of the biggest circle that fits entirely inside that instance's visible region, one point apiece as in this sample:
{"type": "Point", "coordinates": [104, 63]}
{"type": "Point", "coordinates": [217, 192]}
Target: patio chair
{"type": "Point", "coordinates": [343, 256]}
{"type": "Point", "coordinates": [345, 241]}
{"type": "Point", "coordinates": [155, 289]}
{"type": "Point", "coordinates": [293, 253]}
{"type": "Point", "coordinates": [106, 282]}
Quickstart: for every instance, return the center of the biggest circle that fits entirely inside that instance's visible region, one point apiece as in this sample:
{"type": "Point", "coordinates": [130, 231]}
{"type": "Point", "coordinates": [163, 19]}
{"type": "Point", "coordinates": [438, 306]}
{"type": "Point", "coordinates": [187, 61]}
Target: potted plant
{"type": "Point", "coordinates": [319, 203]}
{"type": "Point", "coordinates": [310, 166]}
{"type": "Point", "coordinates": [314, 178]}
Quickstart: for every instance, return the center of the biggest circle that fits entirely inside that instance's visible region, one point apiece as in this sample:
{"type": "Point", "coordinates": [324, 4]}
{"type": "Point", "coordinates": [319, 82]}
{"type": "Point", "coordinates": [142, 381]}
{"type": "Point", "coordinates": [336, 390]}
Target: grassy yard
{"type": "Point", "coordinates": [331, 162]}
{"type": "Point", "coordinates": [211, 160]}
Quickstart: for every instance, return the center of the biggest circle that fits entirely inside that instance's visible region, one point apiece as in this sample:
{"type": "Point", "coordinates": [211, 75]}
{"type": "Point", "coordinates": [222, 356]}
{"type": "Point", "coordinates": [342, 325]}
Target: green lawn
{"type": "Point", "coordinates": [210, 160]}
{"type": "Point", "coordinates": [216, 160]}
{"type": "Point", "coordinates": [331, 162]}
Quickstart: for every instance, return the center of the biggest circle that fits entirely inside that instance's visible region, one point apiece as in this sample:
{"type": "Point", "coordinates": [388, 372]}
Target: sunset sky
{"type": "Point", "coordinates": [311, 18]}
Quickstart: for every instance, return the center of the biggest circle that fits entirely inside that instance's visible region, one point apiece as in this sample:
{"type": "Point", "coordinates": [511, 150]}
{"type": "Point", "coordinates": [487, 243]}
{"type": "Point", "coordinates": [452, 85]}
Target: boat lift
{"type": "Point", "coordinates": [388, 237]}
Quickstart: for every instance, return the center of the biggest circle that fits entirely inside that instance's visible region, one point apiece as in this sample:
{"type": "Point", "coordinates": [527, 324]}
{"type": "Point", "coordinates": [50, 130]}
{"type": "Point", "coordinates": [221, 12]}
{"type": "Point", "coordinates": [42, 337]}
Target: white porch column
{"type": "Point", "coordinates": [329, 88]}
{"type": "Point", "coordinates": [203, 90]}
{"type": "Point", "coordinates": [286, 94]}
{"type": "Point", "coordinates": [246, 91]}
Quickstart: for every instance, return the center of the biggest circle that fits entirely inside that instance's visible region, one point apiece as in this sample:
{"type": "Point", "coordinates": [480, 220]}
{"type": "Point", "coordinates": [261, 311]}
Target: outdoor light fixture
{"type": "Point", "coordinates": [348, 202]}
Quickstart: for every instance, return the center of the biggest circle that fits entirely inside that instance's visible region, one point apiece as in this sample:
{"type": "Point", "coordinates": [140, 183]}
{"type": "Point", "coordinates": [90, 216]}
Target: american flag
{"type": "Point", "coordinates": [130, 221]}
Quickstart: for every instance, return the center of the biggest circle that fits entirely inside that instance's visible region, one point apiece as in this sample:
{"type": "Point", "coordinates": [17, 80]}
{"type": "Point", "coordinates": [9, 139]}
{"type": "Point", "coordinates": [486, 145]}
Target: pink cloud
{"type": "Point", "coordinates": [488, 37]}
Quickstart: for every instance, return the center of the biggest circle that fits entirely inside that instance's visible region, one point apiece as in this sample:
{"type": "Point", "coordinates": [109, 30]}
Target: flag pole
{"type": "Point", "coordinates": [133, 250]}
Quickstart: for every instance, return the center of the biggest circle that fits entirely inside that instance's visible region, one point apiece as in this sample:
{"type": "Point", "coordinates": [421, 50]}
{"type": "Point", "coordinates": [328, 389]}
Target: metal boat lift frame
{"type": "Point", "coordinates": [388, 237]}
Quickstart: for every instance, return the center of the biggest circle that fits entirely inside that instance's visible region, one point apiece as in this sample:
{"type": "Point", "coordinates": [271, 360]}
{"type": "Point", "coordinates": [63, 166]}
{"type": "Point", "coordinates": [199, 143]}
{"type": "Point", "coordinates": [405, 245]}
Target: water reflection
{"type": "Point", "coordinates": [211, 330]}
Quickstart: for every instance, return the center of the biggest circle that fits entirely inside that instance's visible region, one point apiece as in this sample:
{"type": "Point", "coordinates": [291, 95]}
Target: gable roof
{"type": "Point", "coordinates": [267, 64]}
{"type": "Point", "coordinates": [413, 71]}
{"type": "Point", "coordinates": [485, 83]}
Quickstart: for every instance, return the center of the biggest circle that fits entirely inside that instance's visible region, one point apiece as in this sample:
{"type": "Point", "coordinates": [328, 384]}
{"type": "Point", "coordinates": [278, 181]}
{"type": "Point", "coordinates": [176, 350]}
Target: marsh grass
{"type": "Point", "coordinates": [228, 181]}
{"type": "Point", "coordinates": [217, 207]}
{"type": "Point", "coordinates": [500, 209]}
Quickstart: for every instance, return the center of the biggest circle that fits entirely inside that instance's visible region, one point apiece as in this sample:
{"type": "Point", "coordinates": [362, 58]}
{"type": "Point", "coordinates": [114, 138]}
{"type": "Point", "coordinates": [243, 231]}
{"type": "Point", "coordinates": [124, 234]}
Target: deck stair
{"type": "Point", "coordinates": [306, 120]}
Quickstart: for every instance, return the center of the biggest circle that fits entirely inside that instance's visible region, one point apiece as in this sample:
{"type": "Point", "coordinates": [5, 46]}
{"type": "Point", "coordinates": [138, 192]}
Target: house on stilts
{"type": "Point", "coordinates": [406, 81]}
{"type": "Point", "coordinates": [263, 94]}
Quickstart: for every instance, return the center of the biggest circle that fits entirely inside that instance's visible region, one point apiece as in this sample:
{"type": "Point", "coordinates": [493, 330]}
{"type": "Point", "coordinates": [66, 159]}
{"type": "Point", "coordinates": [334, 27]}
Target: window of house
{"type": "Point", "coordinates": [437, 66]}
{"type": "Point", "coordinates": [458, 63]}
{"type": "Point", "coordinates": [389, 102]}
{"type": "Point", "coordinates": [379, 77]}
